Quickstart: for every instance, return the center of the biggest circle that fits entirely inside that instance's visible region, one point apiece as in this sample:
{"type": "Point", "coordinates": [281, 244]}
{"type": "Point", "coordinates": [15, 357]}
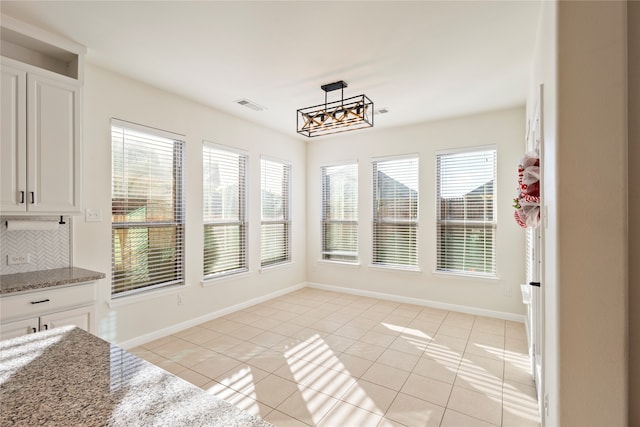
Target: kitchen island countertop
{"type": "Point", "coordinates": [42, 279]}
{"type": "Point", "coordinates": [67, 376]}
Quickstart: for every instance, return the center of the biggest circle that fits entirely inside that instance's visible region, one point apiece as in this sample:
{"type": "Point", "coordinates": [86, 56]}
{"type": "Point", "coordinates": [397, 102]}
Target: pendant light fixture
{"type": "Point", "coordinates": [336, 116]}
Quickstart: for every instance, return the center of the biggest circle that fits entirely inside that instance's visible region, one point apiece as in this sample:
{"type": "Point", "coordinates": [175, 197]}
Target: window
{"type": "Point", "coordinates": [395, 213]}
{"type": "Point", "coordinates": [147, 209]}
{"type": "Point", "coordinates": [224, 211]}
{"type": "Point", "coordinates": [276, 224]}
{"type": "Point", "coordinates": [466, 212]}
{"type": "Point", "coordinates": [340, 212]}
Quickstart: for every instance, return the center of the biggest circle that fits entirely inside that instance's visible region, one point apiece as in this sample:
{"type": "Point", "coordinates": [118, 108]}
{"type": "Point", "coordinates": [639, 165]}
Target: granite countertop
{"type": "Point", "coordinates": [35, 280]}
{"type": "Point", "coordinates": [67, 376]}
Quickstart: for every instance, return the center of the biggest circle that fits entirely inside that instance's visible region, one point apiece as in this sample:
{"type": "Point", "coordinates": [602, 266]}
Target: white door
{"type": "Point", "coordinates": [536, 257]}
{"type": "Point", "coordinates": [18, 328]}
{"type": "Point", "coordinates": [13, 140]}
{"type": "Point", "coordinates": [83, 317]}
{"type": "Point", "coordinates": [53, 147]}
{"type": "Point", "coordinates": [538, 319]}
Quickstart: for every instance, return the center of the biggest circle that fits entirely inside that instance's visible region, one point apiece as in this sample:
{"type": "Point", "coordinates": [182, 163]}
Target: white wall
{"type": "Point", "coordinates": [633, 50]}
{"type": "Point", "coordinates": [581, 60]}
{"type": "Point", "coordinates": [108, 95]}
{"type": "Point", "coordinates": [592, 250]}
{"type": "Point", "coordinates": [505, 130]}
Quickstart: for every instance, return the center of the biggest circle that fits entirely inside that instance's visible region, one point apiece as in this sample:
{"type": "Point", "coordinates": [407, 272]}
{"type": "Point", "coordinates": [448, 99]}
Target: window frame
{"type": "Point", "coordinates": [325, 255]}
{"type": "Point", "coordinates": [286, 210]}
{"type": "Point", "coordinates": [242, 221]}
{"type": "Point", "coordinates": [179, 208]}
{"type": "Point", "coordinates": [381, 220]}
{"type": "Point", "coordinates": [471, 224]}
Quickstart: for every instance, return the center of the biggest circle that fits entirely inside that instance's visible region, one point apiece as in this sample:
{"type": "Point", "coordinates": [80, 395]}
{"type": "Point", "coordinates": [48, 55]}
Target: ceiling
{"type": "Point", "coordinates": [422, 60]}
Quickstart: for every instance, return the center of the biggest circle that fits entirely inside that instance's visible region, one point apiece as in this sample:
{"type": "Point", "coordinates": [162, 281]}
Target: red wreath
{"type": "Point", "coordinates": [527, 204]}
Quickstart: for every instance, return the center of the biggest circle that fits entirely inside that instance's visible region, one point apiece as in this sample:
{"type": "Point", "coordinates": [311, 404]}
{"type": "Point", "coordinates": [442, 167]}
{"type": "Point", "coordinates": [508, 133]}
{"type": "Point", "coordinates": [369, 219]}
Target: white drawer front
{"type": "Point", "coordinates": [46, 301]}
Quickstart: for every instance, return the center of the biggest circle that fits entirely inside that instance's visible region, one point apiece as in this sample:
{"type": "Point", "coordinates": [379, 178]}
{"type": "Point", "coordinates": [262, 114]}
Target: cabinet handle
{"type": "Point", "coordinates": [34, 330]}
{"type": "Point", "coordinates": [33, 197]}
{"type": "Point", "coordinates": [41, 301]}
{"type": "Point", "coordinates": [46, 327]}
{"type": "Point", "coordinates": [21, 197]}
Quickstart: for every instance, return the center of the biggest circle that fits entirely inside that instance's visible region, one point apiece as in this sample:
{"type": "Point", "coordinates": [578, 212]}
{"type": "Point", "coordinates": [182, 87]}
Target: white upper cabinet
{"type": "Point", "coordinates": [40, 113]}
{"type": "Point", "coordinates": [40, 144]}
{"type": "Point", "coordinates": [53, 146]}
{"type": "Point", "coordinates": [13, 142]}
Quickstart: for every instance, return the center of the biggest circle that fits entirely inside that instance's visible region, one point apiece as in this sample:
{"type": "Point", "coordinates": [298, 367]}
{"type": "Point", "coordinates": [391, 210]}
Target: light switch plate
{"type": "Point", "coordinates": [93, 215]}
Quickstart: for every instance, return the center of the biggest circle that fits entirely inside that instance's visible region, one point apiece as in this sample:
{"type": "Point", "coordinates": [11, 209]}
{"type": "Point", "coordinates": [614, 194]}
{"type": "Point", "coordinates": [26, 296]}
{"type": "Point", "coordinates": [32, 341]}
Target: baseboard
{"type": "Point", "coordinates": [134, 342]}
{"type": "Point", "coordinates": [426, 303]}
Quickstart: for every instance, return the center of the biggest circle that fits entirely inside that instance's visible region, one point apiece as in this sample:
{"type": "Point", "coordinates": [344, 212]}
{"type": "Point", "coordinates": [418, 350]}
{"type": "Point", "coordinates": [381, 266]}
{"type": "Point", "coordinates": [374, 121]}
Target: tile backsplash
{"type": "Point", "coordinates": [46, 249]}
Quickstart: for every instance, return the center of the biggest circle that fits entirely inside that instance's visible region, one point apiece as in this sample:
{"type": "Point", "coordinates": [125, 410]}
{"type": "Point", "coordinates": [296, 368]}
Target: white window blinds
{"type": "Point", "coordinates": [466, 227]}
{"type": "Point", "coordinates": [395, 213]}
{"type": "Point", "coordinates": [276, 223]}
{"type": "Point", "coordinates": [224, 211]}
{"type": "Point", "coordinates": [340, 212]}
{"type": "Point", "coordinates": [147, 209]}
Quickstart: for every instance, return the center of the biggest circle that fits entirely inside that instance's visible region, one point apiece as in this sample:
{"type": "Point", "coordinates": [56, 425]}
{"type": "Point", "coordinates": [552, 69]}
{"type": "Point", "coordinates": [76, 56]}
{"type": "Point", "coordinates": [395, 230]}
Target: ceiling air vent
{"type": "Point", "coordinates": [383, 110]}
{"type": "Point", "coordinates": [250, 104]}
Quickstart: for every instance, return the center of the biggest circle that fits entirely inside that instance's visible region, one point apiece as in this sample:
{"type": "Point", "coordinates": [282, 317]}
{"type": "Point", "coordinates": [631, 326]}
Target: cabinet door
{"type": "Point", "coordinates": [18, 328]}
{"type": "Point", "coordinates": [13, 140]}
{"type": "Point", "coordinates": [53, 145]}
{"type": "Point", "coordinates": [83, 317]}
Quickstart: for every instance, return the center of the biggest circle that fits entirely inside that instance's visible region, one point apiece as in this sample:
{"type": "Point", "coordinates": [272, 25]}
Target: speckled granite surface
{"type": "Point", "coordinates": [68, 377]}
{"type": "Point", "coordinates": [32, 281]}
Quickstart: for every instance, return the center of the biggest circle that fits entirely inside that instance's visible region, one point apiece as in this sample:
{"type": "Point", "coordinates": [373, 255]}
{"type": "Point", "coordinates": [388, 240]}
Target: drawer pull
{"type": "Point", "coordinates": [41, 301]}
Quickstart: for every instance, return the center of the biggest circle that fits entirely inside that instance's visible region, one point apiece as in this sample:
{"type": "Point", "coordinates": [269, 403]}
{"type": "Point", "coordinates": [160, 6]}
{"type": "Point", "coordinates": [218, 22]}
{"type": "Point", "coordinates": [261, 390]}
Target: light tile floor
{"type": "Point", "coordinates": [320, 358]}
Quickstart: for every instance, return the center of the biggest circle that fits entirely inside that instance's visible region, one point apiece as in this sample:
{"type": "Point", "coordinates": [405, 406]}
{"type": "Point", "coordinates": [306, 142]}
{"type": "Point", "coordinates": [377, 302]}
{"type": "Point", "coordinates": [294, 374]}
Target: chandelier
{"type": "Point", "coordinates": [336, 116]}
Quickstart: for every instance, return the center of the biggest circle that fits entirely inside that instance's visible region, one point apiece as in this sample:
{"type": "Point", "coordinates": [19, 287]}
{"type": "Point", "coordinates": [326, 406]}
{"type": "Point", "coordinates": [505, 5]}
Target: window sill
{"type": "Point", "coordinates": [145, 296]}
{"type": "Point", "coordinates": [212, 281]}
{"type": "Point", "coordinates": [468, 276]}
{"type": "Point", "coordinates": [339, 263]}
{"type": "Point", "coordinates": [394, 268]}
{"type": "Point", "coordinates": [275, 267]}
